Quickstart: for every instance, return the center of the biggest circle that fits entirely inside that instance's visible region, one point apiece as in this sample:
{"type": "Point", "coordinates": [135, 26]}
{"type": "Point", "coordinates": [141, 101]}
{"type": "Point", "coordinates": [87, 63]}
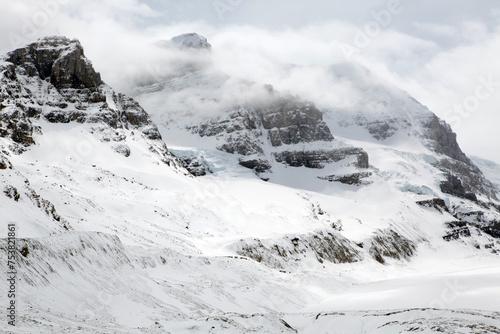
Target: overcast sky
{"type": "Point", "coordinates": [444, 53]}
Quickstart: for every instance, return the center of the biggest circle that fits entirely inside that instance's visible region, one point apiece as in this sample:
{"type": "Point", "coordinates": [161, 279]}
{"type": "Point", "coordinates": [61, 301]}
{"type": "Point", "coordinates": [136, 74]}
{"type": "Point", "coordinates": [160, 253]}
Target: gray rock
{"type": "Point", "coordinates": [453, 186]}
{"type": "Point", "coordinates": [194, 166]}
{"type": "Point", "coordinates": [492, 228]}
{"type": "Point", "coordinates": [123, 150]}
{"type": "Point", "coordinates": [436, 203]}
{"type": "Point", "coordinates": [318, 158]}
{"type": "Point", "coordinates": [12, 192]}
{"type": "Point", "coordinates": [72, 82]}
{"type": "Point", "coordinates": [291, 121]}
{"type": "Point", "coordinates": [15, 124]}
{"type": "Point", "coordinates": [258, 165]}
{"type": "Point", "coordinates": [351, 179]}
{"type": "Point", "coordinates": [444, 140]}
{"type": "Point", "coordinates": [60, 59]}
{"type": "Point", "coordinates": [279, 120]}
{"type": "Point", "coordinates": [243, 145]}
{"type": "Point", "coordinates": [388, 243]}
{"type": "Point", "coordinates": [284, 120]}
{"type": "Point", "coordinates": [457, 230]}
{"type": "Point", "coordinates": [287, 252]}
{"type": "Point", "coordinates": [469, 176]}
{"type": "Point", "coordinates": [4, 163]}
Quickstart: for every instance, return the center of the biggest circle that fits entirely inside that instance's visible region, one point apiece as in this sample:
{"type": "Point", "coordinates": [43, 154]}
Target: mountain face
{"type": "Point", "coordinates": [52, 81]}
{"type": "Point", "coordinates": [116, 233]}
{"type": "Point", "coordinates": [281, 130]}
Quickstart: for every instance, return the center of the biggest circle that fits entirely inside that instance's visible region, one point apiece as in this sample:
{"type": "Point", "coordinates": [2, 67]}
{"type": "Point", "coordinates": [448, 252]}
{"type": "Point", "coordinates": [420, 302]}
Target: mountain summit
{"type": "Point", "coordinates": [191, 40]}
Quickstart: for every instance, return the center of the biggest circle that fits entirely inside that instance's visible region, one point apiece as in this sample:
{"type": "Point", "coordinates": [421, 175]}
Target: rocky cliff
{"type": "Point", "coordinates": [282, 129]}
{"type": "Point", "coordinates": [51, 80]}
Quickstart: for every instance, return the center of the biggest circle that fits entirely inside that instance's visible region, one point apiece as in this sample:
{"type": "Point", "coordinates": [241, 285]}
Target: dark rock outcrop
{"type": "Point", "coordinates": [389, 243]}
{"type": "Point", "coordinates": [52, 79]}
{"type": "Point", "coordinates": [383, 129]}
{"type": "Point", "coordinates": [194, 166]}
{"type": "Point", "coordinates": [350, 179]}
{"type": "Point", "coordinates": [15, 122]}
{"type": "Point", "coordinates": [59, 59]}
{"type": "Point", "coordinates": [444, 140]}
{"type": "Point", "coordinates": [465, 179]}
{"type": "Point", "coordinates": [290, 121]}
{"type": "Point", "coordinates": [12, 192]}
{"type": "Point", "coordinates": [453, 186]}
{"type": "Point", "coordinates": [492, 228]}
{"type": "Point", "coordinates": [242, 144]}
{"type": "Point", "coordinates": [123, 150]}
{"type": "Point", "coordinates": [275, 122]}
{"type": "Point", "coordinates": [258, 165]}
{"type": "Point", "coordinates": [436, 203]}
{"type": "Point", "coordinates": [4, 163]}
{"type": "Point", "coordinates": [457, 230]}
{"type": "Point", "coordinates": [317, 159]}
{"type": "Point", "coordinates": [283, 253]}
{"type": "Point", "coordinates": [284, 121]}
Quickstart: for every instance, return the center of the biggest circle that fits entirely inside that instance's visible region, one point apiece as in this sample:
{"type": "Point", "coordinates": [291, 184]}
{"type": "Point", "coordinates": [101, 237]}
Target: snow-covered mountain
{"type": "Point", "coordinates": [372, 220]}
{"type": "Point", "coordinates": [191, 40]}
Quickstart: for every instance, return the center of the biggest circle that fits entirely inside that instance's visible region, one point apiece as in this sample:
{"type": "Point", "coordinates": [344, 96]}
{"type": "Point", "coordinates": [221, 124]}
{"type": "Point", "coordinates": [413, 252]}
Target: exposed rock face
{"type": "Point", "coordinates": [194, 166]}
{"type": "Point", "coordinates": [258, 165]}
{"type": "Point", "coordinates": [463, 231]}
{"type": "Point", "coordinates": [482, 221]}
{"type": "Point", "coordinates": [317, 159]}
{"type": "Point", "coordinates": [278, 122]}
{"type": "Point", "coordinates": [390, 244]}
{"type": "Point", "coordinates": [379, 129]}
{"type": "Point", "coordinates": [123, 150]}
{"type": "Point", "coordinates": [59, 59]}
{"type": "Point", "coordinates": [351, 179]}
{"type": "Point", "coordinates": [493, 229]}
{"type": "Point", "coordinates": [4, 162]}
{"type": "Point", "coordinates": [454, 186]}
{"type": "Point", "coordinates": [12, 192]}
{"type": "Point", "coordinates": [239, 132]}
{"type": "Point", "coordinates": [284, 253]}
{"type": "Point", "coordinates": [436, 203]}
{"type": "Point", "coordinates": [52, 79]}
{"type": "Point", "coordinates": [444, 140]}
{"type": "Point", "coordinates": [290, 121]}
{"type": "Point", "coordinates": [15, 121]}
{"type": "Point", "coordinates": [287, 121]}
{"type": "Point", "coordinates": [465, 179]}
{"type": "Point", "coordinates": [457, 230]}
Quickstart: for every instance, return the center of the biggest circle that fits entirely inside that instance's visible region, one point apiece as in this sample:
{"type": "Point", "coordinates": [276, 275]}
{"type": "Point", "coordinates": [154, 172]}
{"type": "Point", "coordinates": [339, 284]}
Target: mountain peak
{"type": "Point", "coordinates": [58, 58]}
{"type": "Point", "coordinates": [191, 40]}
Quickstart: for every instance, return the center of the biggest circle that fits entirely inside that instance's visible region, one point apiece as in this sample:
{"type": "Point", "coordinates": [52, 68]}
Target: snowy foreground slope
{"type": "Point", "coordinates": [371, 220]}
